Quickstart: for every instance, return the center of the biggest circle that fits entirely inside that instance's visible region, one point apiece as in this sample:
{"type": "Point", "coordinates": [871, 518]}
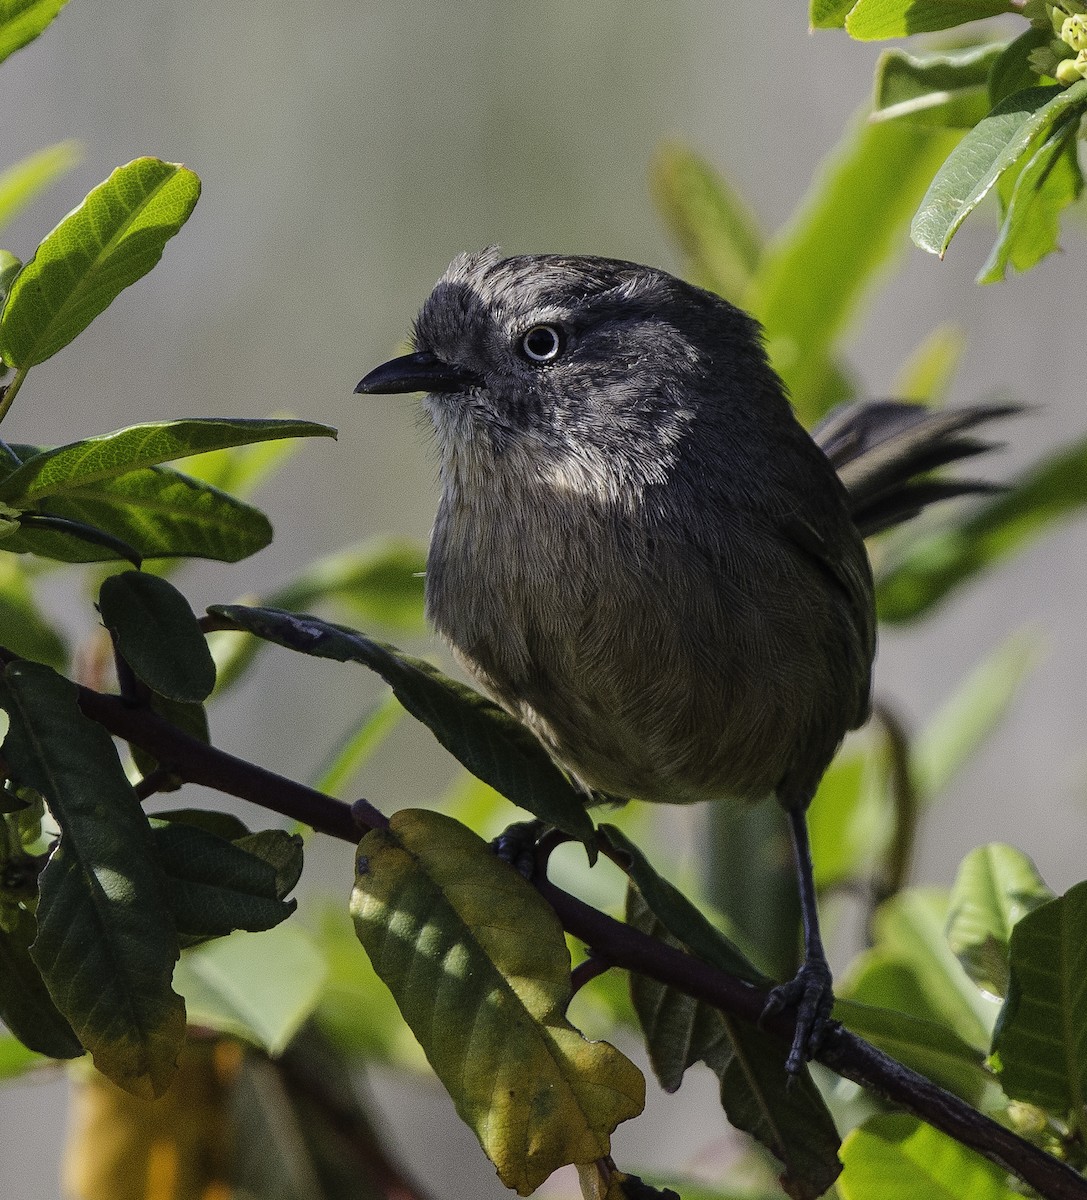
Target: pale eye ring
{"type": "Point", "coordinates": [542, 343]}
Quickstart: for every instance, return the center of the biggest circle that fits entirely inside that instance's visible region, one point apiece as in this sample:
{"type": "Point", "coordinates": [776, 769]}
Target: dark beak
{"type": "Point", "coordinates": [420, 372]}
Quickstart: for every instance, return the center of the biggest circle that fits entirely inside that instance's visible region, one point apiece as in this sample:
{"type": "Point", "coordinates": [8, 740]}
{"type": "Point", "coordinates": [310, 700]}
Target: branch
{"type": "Point", "coordinates": [609, 941]}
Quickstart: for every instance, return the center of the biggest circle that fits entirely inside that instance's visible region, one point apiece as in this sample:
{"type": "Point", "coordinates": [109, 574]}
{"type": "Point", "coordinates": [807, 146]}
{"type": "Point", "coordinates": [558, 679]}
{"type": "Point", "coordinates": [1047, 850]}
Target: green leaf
{"type": "Point", "coordinates": [813, 278]}
{"type": "Point", "coordinates": [971, 714]}
{"type": "Point", "coordinates": [996, 886]}
{"type": "Point", "coordinates": [1040, 1043]}
{"type": "Point", "coordinates": [949, 88]}
{"type": "Point", "coordinates": [26, 1007]}
{"type": "Point", "coordinates": [258, 986]}
{"type": "Point", "coordinates": [21, 21]}
{"type": "Point", "coordinates": [15, 1058]}
{"type": "Point", "coordinates": [357, 746]}
{"type": "Point", "coordinates": [157, 635]}
{"type": "Point", "coordinates": [479, 967]}
{"type": "Point", "coordinates": [1044, 188]}
{"type": "Point", "coordinates": [488, 741]}
{"type": "Point", "coordinates": [21, 183]}
{"type": "Point", "coordinates": [282, 851]}
{"type": "Point", "coordinates": [82, 464]}
{"type": "Point", "coordinates": [106, 945]}
{"type": "Point", "coordinates": [847, 818]}
{"type": "Point", "coordinates": [828, 14]}
{"type": "Point", "coordinates": [26, 632]}
{"type": "Point", "coordinates": [240, 470]}
{"type": "Point", "coordinates": [920, 571]}
{"type": "Point", "coordinates": [158, 511]}
{"type": "Point", "coordinates": [896, 1157]}
{"type": "Point", "coordinates": [190, 718]}
{"type": "Point", "coordinates": [10, 266]}
{"type": "Point", "coordinates": [911, 969]}
{"type": "Point", "coordinates": [929, 1048]}
{"type": "Point", "coordinates": [713, 227]}
{"type": "Point", "coordinates": [112, 239]}
{"type": "Point", "coordinates": [926, 375]}
{"type": "Point", "coordinates": [1012, 71]}
{"type": "Point", "coordinates": [874, 20]}
{"type": "Point", "coordinates": [214, 886]}
{"type": "Point", "coordinates": [995, 145]}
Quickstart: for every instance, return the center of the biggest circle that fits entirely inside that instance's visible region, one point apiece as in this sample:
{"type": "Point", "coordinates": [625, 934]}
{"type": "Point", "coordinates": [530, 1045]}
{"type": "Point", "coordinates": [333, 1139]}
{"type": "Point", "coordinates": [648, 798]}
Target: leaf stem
{"type": "Point", "coordinates": [9, 392]}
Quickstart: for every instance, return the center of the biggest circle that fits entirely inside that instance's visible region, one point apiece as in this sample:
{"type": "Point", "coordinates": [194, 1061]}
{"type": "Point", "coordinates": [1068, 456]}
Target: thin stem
{"type": "Point", "coordinates": [899, 858]}
{"type": "Point", "coordinates": [11, 390]}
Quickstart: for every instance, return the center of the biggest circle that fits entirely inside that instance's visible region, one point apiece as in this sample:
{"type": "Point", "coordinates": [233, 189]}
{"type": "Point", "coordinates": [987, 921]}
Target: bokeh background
{"type": "Point", "coordinates": [348, 149]}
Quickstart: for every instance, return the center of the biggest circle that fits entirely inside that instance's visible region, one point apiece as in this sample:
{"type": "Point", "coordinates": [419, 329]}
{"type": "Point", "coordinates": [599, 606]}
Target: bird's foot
{"type": "Point", "coordinates": [516, 845]}
{"type": "Point", "coordinates": [811, 993]}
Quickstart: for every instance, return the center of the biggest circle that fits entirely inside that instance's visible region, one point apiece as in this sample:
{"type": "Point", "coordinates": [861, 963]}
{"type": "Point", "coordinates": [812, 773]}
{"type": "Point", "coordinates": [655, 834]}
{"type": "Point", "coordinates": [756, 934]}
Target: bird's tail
{"type": "Point", "coordinates": [886, 450]}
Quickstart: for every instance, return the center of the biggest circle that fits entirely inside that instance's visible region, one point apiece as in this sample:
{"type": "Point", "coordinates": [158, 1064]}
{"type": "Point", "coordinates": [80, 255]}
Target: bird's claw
{"type": "Point", "coordinates": [811, 993]}
{"type": "Point", "coordinates": [516, 845]}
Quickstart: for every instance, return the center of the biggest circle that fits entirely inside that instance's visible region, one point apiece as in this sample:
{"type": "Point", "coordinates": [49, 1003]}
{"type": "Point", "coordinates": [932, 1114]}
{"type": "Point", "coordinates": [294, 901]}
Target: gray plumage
{"type": "Point", "coordinates": [639, 551]}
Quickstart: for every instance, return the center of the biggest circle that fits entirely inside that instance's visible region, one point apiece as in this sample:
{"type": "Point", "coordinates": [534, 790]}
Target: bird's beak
{"type": "Point", "coordinates": [420, 372]}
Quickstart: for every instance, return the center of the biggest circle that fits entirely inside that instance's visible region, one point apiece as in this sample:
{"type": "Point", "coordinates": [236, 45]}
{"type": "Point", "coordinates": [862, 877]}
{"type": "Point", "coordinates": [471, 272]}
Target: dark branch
{"type": "Point", "coordinates": [611, 943]}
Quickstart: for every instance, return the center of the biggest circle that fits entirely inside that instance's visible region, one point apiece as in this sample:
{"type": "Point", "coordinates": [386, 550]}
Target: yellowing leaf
{"type": "Point", "coordinates": [478, 965]}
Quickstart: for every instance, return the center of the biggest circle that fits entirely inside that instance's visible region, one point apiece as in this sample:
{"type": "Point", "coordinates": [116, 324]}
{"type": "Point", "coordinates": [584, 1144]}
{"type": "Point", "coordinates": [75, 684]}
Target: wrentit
{"type": "Point", "coordinates": [641, 554]}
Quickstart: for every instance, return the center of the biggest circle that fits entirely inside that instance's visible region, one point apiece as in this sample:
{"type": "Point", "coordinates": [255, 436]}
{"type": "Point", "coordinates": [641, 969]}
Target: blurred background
{"type": "Point", "coordinates": [348, 149]}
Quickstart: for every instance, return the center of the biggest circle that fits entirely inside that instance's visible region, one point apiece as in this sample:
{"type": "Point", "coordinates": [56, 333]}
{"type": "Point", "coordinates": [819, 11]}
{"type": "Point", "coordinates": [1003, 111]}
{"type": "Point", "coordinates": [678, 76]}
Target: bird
{"type": "Point", "coordinates": [641, 554]}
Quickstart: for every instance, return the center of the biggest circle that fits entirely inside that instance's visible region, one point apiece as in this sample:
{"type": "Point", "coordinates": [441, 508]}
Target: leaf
{"type": "Point", "coordinates": [26, 1007]}
{"type": "Point", "coordinates": [26, 632]}
{"type": "Point", "coordinates": [926, 375]}
{"type": "Point", "coordinates": [157, 511]}
{"type": "Point", "coordinates": [949, 88]}
{"type": "Point", "coordinates": [488, 741]}
{"type": "Point", "coordinates": [106, 945]}
{"type": "Point", "coordinates": [873, 20]}
{"type": "Point", "coordinates": [1040, 1042]}
{"type": "Point", "coordinates": [257, 986]}
{"type": "Point", "coordinates": [479, 967]}
{"type": "Point", "coordinates": [21, 21]}
{"type": "Point", "coordinates": [917, 574]}
{"type": "Point", "coordinates": [1044, 188]}
{"type": "Point", "coordinates": [240, 470]}
{"type": "Point", "coordinates": [715, 230]}
{"type": "Point", "coordinates": [971, 714]}
{"type": "Point", "coordinates": [993, 146]}
{"type": "Point", "coordinates": [846, 821]}
{"type": "Point", "coordinates": [995, 887]}
{"type": "Point", "coordinates": [929, 1048]}
{"type": "Point", "coordinates": [897, 1157]}
{"type": "Point", "coordinates": [813, 277]}
{"type": "Point", "coordinates": [112, 239]}
{"type": "Point", "coordinates": [157, 635]}
{"type": "Point", "coordinates": [828, 14]}
{"type": "Point", "coordinates": [214, 886]}
{"type": "Point", "coordinates": [359, 744]}
{"type": "Point", "coordinates": [1012, 71]}
{"type": "Point", "coordinates": [21, 183]}
{"type": "Point", "coordinates": [15, 1058]}
{"type": "Point", "coordinates": [81, 464]}
{"type": "Point", "coordinates": [787, 1115]}
{"type": "Point", "coordinates": [10, 266]}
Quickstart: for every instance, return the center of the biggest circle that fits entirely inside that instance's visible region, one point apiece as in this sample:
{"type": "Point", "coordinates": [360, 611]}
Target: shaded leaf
{"type": "Point", "coordinates": [995, 887]}
{"type": "Point", "coordinates": [487, 740]}
{"type": "Point", "coordinates": [21, 21]}
{"type": "Point", "coordinates": [10, 266]}
{"type": "Point", "coordinates": [919, 572]}
{"type": "Point", "coordinates": [19, 184]}
{"type": "Point", "coordinates": [105, 244]}
{"type": "Point", "coordinates": [812, 278]}
{"type": "Point", "coordinates": [157, 511]}
{"type": "Point", "coordinates": [157, 635]}
{"type": "Point", "coordinates": [282, 851]}
{"type": "Point", "coordinates": [240, 470]}
{"type": "Point", "coordinates": [897, 1157]}
{"type": "Point", "coordinates": [874, 20]}
{"type": "Point", "coordinates": [258, 986]}
{"type": "Point", "coordinates": [214, 886]}
{"type": "Point", "coordinates": [713, 227]}
{"type": "Point", "coordinates": [25, 631]}
{"type": "Point", "coordinates": [828, 14]}
{"type": "Point", "coordinates": [1044, 188]}
{"type": "Point", "coordinates": [1012, 71]}
{"type": "Point", "coordinates": [26, 1007]}
{"type": "Point", "coordinates": [478, 965]}
{"type": "Point", "coordinates": [929, 1048]}
{"type": "Point", "coordinates": [1040, 1043]}
{"type": "Point", "coordinates": [948, 88]}
{"type": "Point", "coordinates": [786, 1114]}
{"type": "Point", "coordinates": [995, 145]}
{"type": "Point", "coordinates": [106, 945]}
{"type": "Point", "coordinates": [971, 714]}
{"type": "Point", "coordinates": [79, 465]}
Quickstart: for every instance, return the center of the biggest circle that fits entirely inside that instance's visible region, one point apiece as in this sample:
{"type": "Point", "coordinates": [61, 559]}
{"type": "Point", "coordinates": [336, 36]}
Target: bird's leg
{"type": "Point", "coordinates": [811, 990]}
{"type": "Point", "coordinates": [516, 845]}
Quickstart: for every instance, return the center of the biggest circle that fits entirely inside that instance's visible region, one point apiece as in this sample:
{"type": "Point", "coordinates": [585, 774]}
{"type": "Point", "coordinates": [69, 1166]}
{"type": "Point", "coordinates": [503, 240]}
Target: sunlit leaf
{"type": "Point", "coordinates": [927, 374]}
{"type": "Point", "coordinates": [21, 21]}
{"type": "Point", "coordinates": [948, 88]}
{"type": "Point", "coordinates": [479, 967]}
{"type": "Point", "coordinates": [21, 183]}
{"type": "Point", "coordinates": [874, 20]}
{"type": "Point", "coordinates": [996, 886]}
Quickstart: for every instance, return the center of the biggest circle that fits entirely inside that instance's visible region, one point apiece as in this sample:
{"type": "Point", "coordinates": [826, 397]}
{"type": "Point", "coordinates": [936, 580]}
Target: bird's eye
{"type": "Point", "coordinates": [542, 343]}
